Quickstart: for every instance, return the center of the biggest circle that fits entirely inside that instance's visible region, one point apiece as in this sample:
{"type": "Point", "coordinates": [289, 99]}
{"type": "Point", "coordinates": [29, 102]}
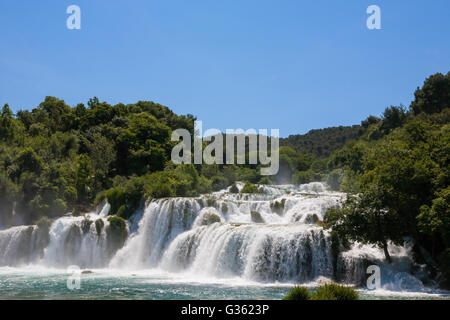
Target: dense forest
{"type": "Point", "coordinates": [56, 159]}
{"type": "Point", "coordinates": [321, 143]}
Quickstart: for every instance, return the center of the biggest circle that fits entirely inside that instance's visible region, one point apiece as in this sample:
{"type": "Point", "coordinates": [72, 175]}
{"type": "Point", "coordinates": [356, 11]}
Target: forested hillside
{"type": "Point", "coordinates": [322, 142]}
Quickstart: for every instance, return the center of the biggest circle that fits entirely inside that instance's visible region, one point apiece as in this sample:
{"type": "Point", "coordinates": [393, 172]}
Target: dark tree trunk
{"type": "Point", "coordinates": [386, 252]}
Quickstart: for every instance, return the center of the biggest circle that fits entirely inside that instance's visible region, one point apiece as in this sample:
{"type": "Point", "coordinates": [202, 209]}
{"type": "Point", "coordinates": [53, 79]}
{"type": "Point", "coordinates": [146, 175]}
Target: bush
{"type": "Point", "coordinates": [334, 291]}
{"type": "Point", "coordinates": [265, 180]}
{"type": "Point", "coordinates": [249, 188]}
{"type": "Point", "coordinates": [298, 293]}
{"type": "Point", "coordinates": [163, 191]}
{"type": "Point", "coordinates": [302, 177]}
{"type": "Point", "coordinates": [218, 183]}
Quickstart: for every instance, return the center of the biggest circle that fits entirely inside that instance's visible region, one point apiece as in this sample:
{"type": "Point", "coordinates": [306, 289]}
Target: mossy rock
{"type": "Point", "coordinates": [86, 225]}
{"type": "Point", "coordinates": [256, 217]}
{"type": "Point", "coordinates": [209, 218]}
{"type": "Point", "coordinates": [224, 208]}
{"type": "Point", "coordinates": [211, 202]}
{"type": "Point", "coordinates": [278, 206]}
{"type": "Point", "coordinates": [116, 233]}
{"type": "Point", "coordinates": [99, 226]}
{"type": "Point", "coordinates": [234, 188]}
{"type": "Point", "coordinates": [312, 219]}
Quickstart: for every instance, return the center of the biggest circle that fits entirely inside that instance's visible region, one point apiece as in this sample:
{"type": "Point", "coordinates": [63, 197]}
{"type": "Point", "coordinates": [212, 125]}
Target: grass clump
{"type": "Point", "coordinates": [331, 291]}
{"type": "Point", "coordinates": [298, 293]}
{"type": "Point", "coordinates": [334, 291]}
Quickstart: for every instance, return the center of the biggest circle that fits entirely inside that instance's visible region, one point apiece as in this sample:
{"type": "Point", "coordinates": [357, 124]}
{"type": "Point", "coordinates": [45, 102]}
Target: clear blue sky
{"type": "Point", "coordinates": [293, 65]}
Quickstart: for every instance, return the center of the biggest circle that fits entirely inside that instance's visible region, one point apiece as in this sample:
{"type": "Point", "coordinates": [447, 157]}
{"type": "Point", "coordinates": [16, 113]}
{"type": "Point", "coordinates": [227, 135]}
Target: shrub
{"type": "Point", "coordinates": [302, 177]}
{"type": "Point", "coordinates": [162, 191]}
{"type": "Point", "coordinates": [298, 293]}
{"type": "Point", "coordinates": [249, 188]}
{"type": "Point", "coordinates": [265, 180]}
{"type": "Point", "coordinates": [218, 183]}
{"type": "Point", "coordinates": [334, 291]}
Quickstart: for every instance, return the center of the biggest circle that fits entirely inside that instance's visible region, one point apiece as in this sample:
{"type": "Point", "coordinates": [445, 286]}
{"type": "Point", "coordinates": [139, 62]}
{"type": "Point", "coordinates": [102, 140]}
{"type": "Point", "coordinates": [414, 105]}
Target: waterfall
{"type": "Point", "coordinates": [272, 236]}
{"type": "Point", "coordinates": [262, 253]}
{"type": "Point", "coordinates": [76, 241]}
{"type": "Point", "coordinates": [216, 235]}
{"type": "Point", "coordinates": [21, 245]}
{"type": "Point", "coordinates": [162, 221]}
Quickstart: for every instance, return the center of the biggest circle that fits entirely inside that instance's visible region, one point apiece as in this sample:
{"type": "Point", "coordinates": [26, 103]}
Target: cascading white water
{"type": "Point", "coordinates": [267, 237]}
{"type": "Point", "coordinates": [74, 241]}
{"type": "Point", "coordinates": [162, 221]}
{"type": "Point", "coordinates": [271, 236]}
{"type": "Point", "coordinates": [262, 253]}
{"type": "Point", "coordinates": [20, 245]}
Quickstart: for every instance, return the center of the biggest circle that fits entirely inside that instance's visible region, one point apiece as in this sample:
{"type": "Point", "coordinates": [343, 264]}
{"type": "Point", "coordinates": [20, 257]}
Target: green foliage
{"type": "Point", "coordinates": [55, 158]}
{"type": "Point", "coordinates": [330, 291]}
{"type": "Point", "coordinates": [434, 96]}
{"type": "Point", "coordinates": [365, 219]}
{"type": "Point", "coordinates": [265, 180]}
{"type": "Point", "coordinates": [435, 220]}
{"type": "Point", "coordinates": [334, 291]}
{"type": "Point", "coordinates": [302, 177]}
{"type": "Point", "coordinates": [298, 293]}
{"type": "Point", "coordinates": [399, 167]}
{"type": "Point", "coordinates": [249, 188]}
{"type": "Point", "coordinates": [334, 179]}
{"type": "Point", "coordinates": [322, 142]}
